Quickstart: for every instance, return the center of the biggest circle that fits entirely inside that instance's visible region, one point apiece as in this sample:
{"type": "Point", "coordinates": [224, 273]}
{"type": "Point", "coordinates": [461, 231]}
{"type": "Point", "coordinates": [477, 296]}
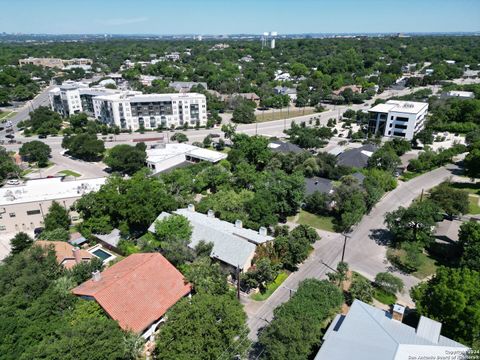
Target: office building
{"type": "Point", "coordinates": [133, 111]}
{"type": "Point", "coordinates": [398, 118]}
{"type": "Point", "coordinates": [23, 207]}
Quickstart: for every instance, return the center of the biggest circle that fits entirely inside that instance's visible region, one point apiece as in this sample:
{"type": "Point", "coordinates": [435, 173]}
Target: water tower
{"type": "Point", "coordinates": [273, 35]}
{"type": "Point", "coordinates": [264, 39]}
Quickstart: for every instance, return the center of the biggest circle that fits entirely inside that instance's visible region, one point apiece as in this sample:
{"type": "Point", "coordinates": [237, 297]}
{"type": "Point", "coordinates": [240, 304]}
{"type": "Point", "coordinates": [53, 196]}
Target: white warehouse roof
{"type": "Point", "coordinates": [48, 189]}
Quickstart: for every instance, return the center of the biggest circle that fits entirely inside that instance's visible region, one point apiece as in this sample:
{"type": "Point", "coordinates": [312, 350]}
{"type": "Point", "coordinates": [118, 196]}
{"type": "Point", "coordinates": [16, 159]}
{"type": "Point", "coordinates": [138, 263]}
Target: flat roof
{"type": "Point", "coordinates": [138, 97]}
{"type": "Point", "coordinates": [48, 189]}
{"type": "Point", "coordinates": [409, 107]}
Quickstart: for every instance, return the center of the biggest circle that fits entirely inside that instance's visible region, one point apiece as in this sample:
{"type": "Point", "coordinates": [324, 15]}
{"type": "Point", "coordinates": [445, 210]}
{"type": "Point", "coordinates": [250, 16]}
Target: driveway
{"type": "Point", "coordinates": [365, 250]}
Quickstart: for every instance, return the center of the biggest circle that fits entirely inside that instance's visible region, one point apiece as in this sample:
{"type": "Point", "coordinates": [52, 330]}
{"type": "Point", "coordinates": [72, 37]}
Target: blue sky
{"type": "Point", "coordinates": [237, 16]}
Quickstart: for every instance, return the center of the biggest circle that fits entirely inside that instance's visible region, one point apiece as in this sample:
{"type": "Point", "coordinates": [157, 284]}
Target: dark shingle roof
{"type": "Point", "coordinates": [284, 147]}
{"type": "Point", "coordinates": [317, 184]}
{"type": "Point", "coordinates": [356, 157]}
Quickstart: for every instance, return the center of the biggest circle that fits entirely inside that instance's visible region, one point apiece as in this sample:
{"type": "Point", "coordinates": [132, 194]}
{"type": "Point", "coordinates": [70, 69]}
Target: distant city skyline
{"type": "Point", "coordinates": [217, 17]}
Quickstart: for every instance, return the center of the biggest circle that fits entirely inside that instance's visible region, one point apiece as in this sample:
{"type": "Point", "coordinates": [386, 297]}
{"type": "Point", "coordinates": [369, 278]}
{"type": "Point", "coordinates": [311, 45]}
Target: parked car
{"type": "Point", "coordinates": [37, 232]}
{"type": "Point", "coordinates": [42, 136]}
{"type": "Point", "coordinates": [13, 182]}
{"type": "Point", "coordinates": [214, 135]}
{"type": "Point", "coordinates": [9, 136]}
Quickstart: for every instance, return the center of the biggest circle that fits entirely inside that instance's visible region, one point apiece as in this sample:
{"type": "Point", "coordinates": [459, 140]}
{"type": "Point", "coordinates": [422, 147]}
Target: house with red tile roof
{"type": "Point", "coordinates": [137, 291]}
{"type": "Point", "coordinates": [67, 255]}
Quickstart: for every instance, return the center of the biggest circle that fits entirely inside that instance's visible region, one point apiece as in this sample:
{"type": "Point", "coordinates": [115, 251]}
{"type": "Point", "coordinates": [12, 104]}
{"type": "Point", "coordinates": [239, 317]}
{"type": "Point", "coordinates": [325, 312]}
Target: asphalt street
{"type": "Point", "coordinates": [365, 250]}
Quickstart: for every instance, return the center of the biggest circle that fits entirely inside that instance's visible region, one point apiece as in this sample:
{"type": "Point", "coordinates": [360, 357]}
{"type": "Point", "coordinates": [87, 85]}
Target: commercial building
{"type": "Point", "coordinates": [233, 246]}
{"type": "Point", "coordinates": [366, 332]}
{"type": "Point", "coordinates": [168, 156]}
{"type": "Point", "coordinates": [398, 118]}
{"type": "Point", "coordinates": [55, 62]}
{"type": "Point", "coordinates": [73, 97]}
{"type": "Point", "coordinates": [23, 207]}
{"type": "Point", "coordinates": [133, 111]}
{"type": "Point", "coordinates": [137, 291]}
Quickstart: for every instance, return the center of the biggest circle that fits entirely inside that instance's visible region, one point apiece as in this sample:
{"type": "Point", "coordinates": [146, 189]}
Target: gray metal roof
{"type": "Point", "coordinates": [111, 239]}
{"type": "Point", "coordinates": [371, 334]}
{"type": "Point", "coordinates": [318, 184]}
{"type": "Point", "coordinates": [231, 245]}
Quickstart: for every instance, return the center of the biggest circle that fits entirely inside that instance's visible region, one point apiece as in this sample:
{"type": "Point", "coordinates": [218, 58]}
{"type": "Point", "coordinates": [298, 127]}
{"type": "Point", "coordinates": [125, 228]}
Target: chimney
{"type": "Point", "coordinates": [397, 312]}
{"type": "Point", "coordinates": [76, 254]}
{"type": "Point", "coordinates": [262, 231]}
{"type": "Point", "coordinates": [96, 275]}
{"type": "Point", "coordinates": [211, 213]}
{"type": "Point", "coordinates": [238, 224]}
{"type": "Point", "coordinates": [191, 207]}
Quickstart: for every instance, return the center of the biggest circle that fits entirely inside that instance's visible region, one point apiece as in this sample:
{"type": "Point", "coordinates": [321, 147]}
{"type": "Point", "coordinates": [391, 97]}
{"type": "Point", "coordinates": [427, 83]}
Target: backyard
{"type": "Point", "coordinates": [316, 221]}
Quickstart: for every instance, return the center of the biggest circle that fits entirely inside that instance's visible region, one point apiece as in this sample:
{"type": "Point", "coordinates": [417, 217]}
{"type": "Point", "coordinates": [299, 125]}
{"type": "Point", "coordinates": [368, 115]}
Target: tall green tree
{"type": "Point", "coordinates": [206, 277]}
{"type": "Point", "coordinates": [36, 151]}
{"type": "Point", "coordinates": [297, 327]}
{"type": "Point", "coordinates": [126, 159]}
{"type": "Point", "coordinates": [84, 146]}
{"type": "Point", "coordinates": [57, 217]}
{"type": "Point", "coordinates": [452, 201]}
{"type": "Point", "coordinates": [20, 242]}
{"type": "Point", "coordinates": [206, 327]}
{"type": "Point", "coordinates": [469, 241]}
{"type": "Point", "coordinates": [451, 297]}
{"type": "Point", "coordinates": [8, 168]}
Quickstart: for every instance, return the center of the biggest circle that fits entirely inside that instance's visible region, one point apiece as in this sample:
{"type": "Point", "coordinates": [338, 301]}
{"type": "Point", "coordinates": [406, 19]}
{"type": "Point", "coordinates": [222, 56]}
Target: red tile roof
{"type": "Point", "coordinates": [66, 254]}
{"type": "Point", "coordinates": [137, 291]}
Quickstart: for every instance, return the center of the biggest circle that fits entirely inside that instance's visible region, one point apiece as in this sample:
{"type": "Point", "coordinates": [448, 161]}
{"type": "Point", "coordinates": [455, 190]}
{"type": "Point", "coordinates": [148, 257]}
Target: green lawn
{"type": "Point", "coordinates": [407, 175]}
{"type": "Point", "coordinates": [384, 297]}
{"type": "Point", "coordinates": [270, 287]}
{"type": "Point", "coordinates": [428, 265]}
{"type": "Point", "coordinates": [4, 116]}
{"type": "Point", "coordinates": [316, 221]}
{"type": "Point", "coordinates": [473, 189]}
{"type": "Point", "coordinates": [69, 173]}
{"type": "Point", "coordinates": [279, 115]}
{"type": "Point", "coordinates": [474, 208]}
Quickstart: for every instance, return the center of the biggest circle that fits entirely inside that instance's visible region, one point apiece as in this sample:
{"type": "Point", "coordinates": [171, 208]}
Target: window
{"type": "Point", "coordinates": [3, 228]}
{"type": "Point", "coordinates": [12, 214]}
{"type": "Point", "coordinates": [391, 117]}
{"type": "Point", "coordinates": [33, 212]}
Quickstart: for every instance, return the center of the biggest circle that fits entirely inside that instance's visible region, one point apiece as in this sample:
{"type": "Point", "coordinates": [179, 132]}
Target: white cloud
{"type": "Point", "coordinates": [124, 21]}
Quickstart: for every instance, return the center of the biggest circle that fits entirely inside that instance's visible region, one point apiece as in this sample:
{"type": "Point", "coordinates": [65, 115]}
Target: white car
{"type": "Point", "coordinates": [13, 182]}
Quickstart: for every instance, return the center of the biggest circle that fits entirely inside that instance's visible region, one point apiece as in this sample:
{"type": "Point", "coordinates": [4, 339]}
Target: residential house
{"type": "Point", "coordinates": [284, 147]}
{"type": "Point", "coordinates": [110, 240]}
{"type": "Point", "coordinates": [366, 332]}
{"type": "Point", "coordinates": [137, 291]}
{"type": "Point", "coordinates": [283, 90]}
{"type": "Point", "coordinates": [354, 88]}
{"type": "Point", "coordinates": [357, 157]}
{"type": "Point", "coordinates": [186, 86]}
{"type": "Point", "coordinates": [233, 245]}
{"type": "Point", "coordinates": [322, 185]}
{"type": "Point", "coordinates": [67, 255]}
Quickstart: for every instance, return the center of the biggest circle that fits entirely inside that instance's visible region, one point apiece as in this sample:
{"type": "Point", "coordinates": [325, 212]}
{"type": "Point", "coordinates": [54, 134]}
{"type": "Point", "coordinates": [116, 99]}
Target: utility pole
{"type": "Point", "coordinates": [291, 290]}
{"type": "Point", "coordinates": [344, 245]}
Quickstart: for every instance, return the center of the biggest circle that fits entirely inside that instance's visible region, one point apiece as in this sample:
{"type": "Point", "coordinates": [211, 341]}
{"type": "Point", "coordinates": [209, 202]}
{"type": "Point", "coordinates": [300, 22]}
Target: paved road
{"type": "Point", "coordinates": [363, 253]}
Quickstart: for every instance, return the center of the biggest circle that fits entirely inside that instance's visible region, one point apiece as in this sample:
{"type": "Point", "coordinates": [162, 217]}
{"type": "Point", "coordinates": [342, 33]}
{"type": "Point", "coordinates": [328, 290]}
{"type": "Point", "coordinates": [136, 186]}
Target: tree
{"type": "Point", "coordinates": [229, 130]}
{"type": "Point", "coordinates": [126, 159]}
{"type": "Point", "coordinates": [425, 136]}
{"type": "Point", "coordinates": [389, 282]}
{"type": "Point", "coordinates": [208, 326]}
{"type": "Point", "coordinates": [297, 327]}
{"type": "Point", "coordinates": [244, 113]}
{"type": "Point", "coordinates": [8, 168]}
{"type": "Point", "coordinates": [84, 146]}
{"type": "Point", "coordinates": [472, 163]}
{"type": "Point", "coordinates": [57, 217]}
{"type": "Point", "coordinates": [452, 201]}
{"type": "Point", "coordinates": [469, 241]}
{"type": "Point", "coordinates": [179, 137]}
{"type": "Point", "coordinates": [78, 121]}
{"type": "Point", "coordinates": [451, 297]}
{"type": "Point", "coordinates": [173, 236]}
{"type": "Point", "coordinates": [58, 234]}
{"type": "Point", "coordinates": [36, 151]}
{"type": "Point", "coordinates": [206, 277]}
{"type": "Point", "coordinates": [339, 276]}
{"type": "Point", "coordinates": [20, 242]}
{"type": "Point", "coordinates": [317, 203]}
{"type": "Point", "coordinates": [384, 158]}
{"type": "Point", "coordinates": [414, 224]}
{"type": "Point", "coordinates": [361, 289]}
{"type": "Point", "coordinates": [44, 121]}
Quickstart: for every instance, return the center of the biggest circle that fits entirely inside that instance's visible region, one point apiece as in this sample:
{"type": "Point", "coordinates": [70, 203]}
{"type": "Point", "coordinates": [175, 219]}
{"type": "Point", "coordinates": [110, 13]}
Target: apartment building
{"type": "Point", "coordinates": [72, 98]}
{"type": "Point", "coordinates": [133, 111]}
{"type": "Point", "coordinates": [55, 62]}
{"type": "Point", "coordinates": [398, 118]}
{"type": "Point", "coordinates": [23, 207]}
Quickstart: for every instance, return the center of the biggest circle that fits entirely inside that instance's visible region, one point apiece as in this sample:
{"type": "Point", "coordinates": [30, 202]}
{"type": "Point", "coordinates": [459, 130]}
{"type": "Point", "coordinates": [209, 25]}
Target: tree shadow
{"type": "Point", "coordinates": [381, 236]}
